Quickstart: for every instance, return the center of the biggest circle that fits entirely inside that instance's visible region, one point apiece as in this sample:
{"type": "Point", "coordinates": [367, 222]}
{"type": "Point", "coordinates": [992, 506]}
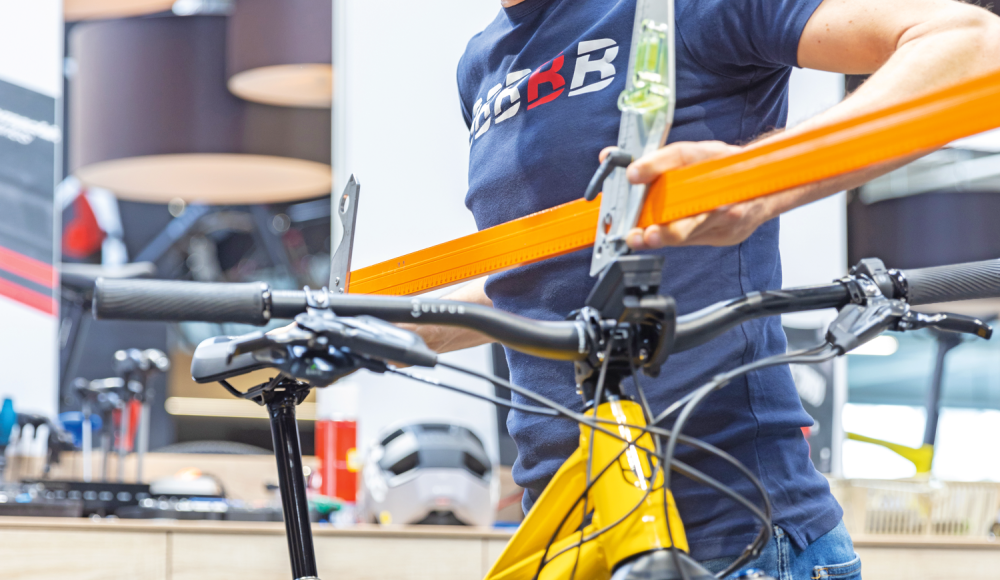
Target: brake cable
{"type": "Point", "coordinates": [675, 464]}
{"type": "Point", "coordinates": [719, 382]}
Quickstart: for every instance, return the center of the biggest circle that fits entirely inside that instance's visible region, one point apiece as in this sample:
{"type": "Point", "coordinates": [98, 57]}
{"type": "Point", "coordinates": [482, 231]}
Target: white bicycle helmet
{"type": "Point", "coordinates": [428, 473]}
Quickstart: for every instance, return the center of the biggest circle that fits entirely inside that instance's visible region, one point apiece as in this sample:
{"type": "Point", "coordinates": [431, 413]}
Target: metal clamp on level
{"type": "Point", "coordinates": [647, 106]}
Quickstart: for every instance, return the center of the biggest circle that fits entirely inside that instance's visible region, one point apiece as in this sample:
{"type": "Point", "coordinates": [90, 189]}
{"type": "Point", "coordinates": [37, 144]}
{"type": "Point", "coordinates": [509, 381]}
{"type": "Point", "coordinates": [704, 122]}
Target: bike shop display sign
{"type": "Point", "coordinates": [29, 136]}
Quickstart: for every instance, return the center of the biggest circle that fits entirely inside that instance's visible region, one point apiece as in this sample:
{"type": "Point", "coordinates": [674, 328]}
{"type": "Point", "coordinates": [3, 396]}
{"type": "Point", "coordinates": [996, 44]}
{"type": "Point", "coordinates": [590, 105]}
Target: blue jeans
{"type": "Point", "coordinates": [831, 556]}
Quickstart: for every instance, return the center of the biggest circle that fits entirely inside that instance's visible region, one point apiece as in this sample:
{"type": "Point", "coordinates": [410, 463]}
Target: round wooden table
{"type": "Point", "coordinates": [76, 10]}
{"type": "Point", "coordinates": [286, 85]}
{"type": "Point", "coordinates": [210, 178]}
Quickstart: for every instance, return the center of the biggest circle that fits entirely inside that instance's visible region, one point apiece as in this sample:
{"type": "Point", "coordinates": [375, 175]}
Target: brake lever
{"type": "Point", "coordinates": [945, 321]}
{"type": "Point", "coordinates": [258, 341]}
{"type": "Point", "coordinates": [319, 348]}
{"type": "Point", "coordinates": [370, 337]}
{"type": "Point", "coordinates": [857, 324]}
{"type": "Point", "coordinates": [281, 337]}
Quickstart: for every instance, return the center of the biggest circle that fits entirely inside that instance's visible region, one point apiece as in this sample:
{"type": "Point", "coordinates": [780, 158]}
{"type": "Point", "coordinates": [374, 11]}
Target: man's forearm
{"type": "Point", "coordinates": [956, 43]}
{"type": "Point", "coordinates": [914, 45]}
{"type": "Point", "coordinates": [780, 203]}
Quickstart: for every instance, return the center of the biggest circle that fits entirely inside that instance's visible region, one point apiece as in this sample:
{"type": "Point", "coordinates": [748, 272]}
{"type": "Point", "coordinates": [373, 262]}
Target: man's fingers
{"type": "Point", "coordinates": [634, 239]}
{"type": "Point", "coordinates": [680, 232]}
{"type": "Point", "coordinates": [604, 153]}
{"type": "Point", "coordinates": [724, 226]}
{"type": "Point", "coordinates": [649, 167]}
{"type": "Point", "coordinates": [677, 233]}
{"type": "Point", "coordinates": [652, 238]}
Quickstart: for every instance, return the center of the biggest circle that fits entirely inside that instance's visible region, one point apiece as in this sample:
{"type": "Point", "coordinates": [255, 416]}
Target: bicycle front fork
{"type": "Point", "coordinates": [281, 404]}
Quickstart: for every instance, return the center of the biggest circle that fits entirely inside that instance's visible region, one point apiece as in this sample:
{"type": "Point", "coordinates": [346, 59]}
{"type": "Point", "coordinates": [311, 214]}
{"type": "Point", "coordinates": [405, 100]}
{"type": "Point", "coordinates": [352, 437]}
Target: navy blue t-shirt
{"type": "Point", "coordinates": [538, 90]}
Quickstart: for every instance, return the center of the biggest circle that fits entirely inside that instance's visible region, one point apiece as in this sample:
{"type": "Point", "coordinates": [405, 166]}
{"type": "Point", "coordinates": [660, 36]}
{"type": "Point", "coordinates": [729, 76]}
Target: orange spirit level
{"type": "Point", "coordinates": [918, 125]}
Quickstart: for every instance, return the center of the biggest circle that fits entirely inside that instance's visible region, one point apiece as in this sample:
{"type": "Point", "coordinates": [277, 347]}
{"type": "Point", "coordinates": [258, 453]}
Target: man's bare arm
{"type": "Point", "coordinates": [911, 46]}
{"type": "Point", "coordinates": [450, 338]}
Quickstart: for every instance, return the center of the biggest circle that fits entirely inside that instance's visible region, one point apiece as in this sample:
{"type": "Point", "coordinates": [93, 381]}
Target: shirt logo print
{"type": "Point", "coordinates": [593, 64]}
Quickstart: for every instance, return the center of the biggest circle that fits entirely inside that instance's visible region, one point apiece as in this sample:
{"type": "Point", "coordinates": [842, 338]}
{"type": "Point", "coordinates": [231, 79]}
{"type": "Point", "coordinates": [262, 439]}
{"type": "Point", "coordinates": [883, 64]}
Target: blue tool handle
{"type": "Point", "coordinates": [8, 418]}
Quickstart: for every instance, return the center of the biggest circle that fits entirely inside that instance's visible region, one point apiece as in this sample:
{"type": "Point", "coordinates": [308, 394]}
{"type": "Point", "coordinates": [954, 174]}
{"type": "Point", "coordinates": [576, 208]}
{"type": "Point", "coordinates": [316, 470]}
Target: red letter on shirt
{"type": "Point", "coordinates": [550, 76]}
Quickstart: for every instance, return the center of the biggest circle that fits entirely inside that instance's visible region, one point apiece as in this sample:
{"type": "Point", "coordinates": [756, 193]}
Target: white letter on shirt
{"type": "Point", "coordinates": [602, 65]}
{"type": "Point", "coordinates": [484, 113]}
{"type": "Point", "coordinates": [476, 109]}
{"type": "Point", "coordinates": [512, 94]}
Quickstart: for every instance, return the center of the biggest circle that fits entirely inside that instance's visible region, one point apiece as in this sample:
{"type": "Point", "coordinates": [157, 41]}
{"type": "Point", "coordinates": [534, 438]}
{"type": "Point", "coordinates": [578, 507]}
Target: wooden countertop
{"type": "Point", "coordinates": [256, 528]}
{"type": "Point", "coordinates": [953, 542]}
{"type": "Point", "coordinates": [372, 530]}
{"type": "Point", "coordinates": [109, 549]}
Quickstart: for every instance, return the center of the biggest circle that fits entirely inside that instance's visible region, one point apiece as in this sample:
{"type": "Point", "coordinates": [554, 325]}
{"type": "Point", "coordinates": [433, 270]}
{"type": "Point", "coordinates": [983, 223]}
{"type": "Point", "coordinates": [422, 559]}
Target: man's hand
{"type": "Point", "coordinates": [725, 226]}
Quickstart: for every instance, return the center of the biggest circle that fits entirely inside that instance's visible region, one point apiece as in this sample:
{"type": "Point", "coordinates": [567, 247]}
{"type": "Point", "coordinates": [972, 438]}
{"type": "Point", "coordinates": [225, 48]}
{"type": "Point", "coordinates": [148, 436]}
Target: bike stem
{"type": "Point", "coordinates": [281, 402]}
{"type": "Point", "coordinates": [642, 330]}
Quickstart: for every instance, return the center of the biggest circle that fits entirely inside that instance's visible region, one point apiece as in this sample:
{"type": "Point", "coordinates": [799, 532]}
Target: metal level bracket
{"type": "Point", "coordinates": [647, 106]}
{"type": "Point", "coordinates": [344, 216]}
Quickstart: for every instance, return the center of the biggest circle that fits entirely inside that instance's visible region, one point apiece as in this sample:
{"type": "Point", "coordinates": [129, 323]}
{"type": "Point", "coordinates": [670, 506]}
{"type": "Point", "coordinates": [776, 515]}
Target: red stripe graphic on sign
{"type": "Point", "coordinates": [27, 297]}
{"type": "Point", "coordinates": [27, 268]}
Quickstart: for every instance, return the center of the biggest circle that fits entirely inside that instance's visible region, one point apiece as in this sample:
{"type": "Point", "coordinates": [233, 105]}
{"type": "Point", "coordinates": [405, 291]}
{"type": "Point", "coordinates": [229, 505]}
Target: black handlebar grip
{"type": "Point", "coordinates": [178, 301]}
{"type": "Point", "coordinates": [950, 283]}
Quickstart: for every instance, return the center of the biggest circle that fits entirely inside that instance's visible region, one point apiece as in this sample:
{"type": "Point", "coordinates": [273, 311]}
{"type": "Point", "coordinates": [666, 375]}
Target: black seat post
{"type": "Point", "coordinates": [281, 402]}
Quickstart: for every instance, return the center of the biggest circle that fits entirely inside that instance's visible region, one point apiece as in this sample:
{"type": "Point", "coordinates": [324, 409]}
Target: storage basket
{"type": "Point", "coordinates": [918, 508]}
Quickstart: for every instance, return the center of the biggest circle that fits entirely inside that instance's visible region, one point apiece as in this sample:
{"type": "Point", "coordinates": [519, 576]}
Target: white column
{"type": "Point", "coordinates": [814, 237]}
{"type": "Point", "coordinates": [397, 125]}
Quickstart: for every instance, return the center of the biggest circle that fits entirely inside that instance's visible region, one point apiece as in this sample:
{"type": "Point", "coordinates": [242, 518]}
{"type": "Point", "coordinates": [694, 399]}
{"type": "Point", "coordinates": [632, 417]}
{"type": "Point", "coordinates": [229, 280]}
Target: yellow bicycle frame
{"type": "Point", "coordinates": [921, 457]}
{"type": "Point", "coordinates": [620, 494]}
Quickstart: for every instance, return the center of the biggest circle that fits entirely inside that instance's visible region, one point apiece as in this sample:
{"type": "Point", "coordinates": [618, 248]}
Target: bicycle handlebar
{"type": "Point", "coordinates": [968, 281]}
{"type": "Point", "coordinates": [255, 303]}
{"type": "Point", "coordinates": [702, 326]}
{"type": "Point", "coordinates": [174, 301]}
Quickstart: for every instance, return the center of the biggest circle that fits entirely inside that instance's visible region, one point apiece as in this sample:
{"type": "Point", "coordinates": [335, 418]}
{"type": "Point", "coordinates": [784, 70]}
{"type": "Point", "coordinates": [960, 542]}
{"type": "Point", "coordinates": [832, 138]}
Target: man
{"type": "Point", "coordinates": [538, 90]}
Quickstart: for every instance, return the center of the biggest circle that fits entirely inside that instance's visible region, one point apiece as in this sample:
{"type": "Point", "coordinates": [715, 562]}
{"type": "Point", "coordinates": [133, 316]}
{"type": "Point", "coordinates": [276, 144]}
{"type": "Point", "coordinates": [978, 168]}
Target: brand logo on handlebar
{"type": "Point", "coordinates": [419, 308]}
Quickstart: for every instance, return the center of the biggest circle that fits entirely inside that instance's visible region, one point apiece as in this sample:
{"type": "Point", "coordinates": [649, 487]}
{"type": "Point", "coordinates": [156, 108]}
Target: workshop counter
{"type": "Point", "coordinates": [108, 549]}
{"type": "Point", "coordinates": [57, 549]}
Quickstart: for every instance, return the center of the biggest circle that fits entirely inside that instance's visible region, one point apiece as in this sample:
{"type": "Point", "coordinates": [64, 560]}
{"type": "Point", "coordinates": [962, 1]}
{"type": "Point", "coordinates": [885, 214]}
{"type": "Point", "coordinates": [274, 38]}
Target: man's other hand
{"type": "Point", "coordinates": [724, 226]}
